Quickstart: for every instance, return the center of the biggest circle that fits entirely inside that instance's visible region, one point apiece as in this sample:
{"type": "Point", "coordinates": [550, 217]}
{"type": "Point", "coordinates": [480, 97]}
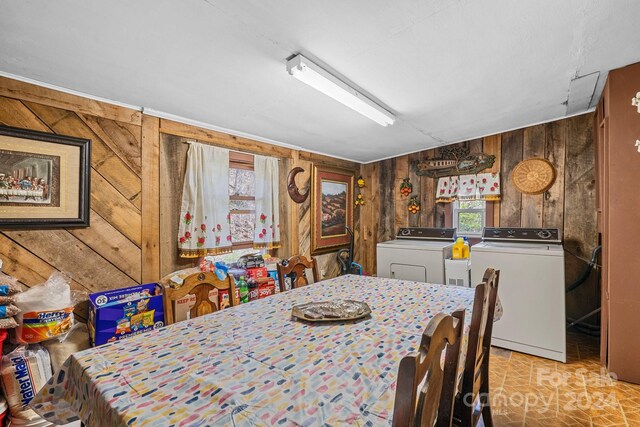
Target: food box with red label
{"type": "Point", "coordinates": [253, 293]}
{"type": "Point", "coordinates": [223, 298]}
{"type": "Point", "coordinates": [257, 273]}
{"type": "Point", "coordinates": [266, 287]}
{"type": "Point", "coordinates": [274, 275]}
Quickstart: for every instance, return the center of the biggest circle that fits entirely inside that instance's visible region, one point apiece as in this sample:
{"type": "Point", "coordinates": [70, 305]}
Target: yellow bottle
{"type": "Point", "coordinates": [465, 250]}
{"type": "Point", "coordinates": [458, 249]}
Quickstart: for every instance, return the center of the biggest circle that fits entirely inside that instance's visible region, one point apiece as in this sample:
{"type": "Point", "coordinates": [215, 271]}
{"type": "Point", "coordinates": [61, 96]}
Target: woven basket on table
{"type": "Point", "coordinates": [533, 176]}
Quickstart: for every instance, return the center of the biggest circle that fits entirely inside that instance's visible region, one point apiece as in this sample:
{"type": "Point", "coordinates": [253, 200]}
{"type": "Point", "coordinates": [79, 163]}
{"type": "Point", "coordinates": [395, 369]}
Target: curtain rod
{"type": "Point", "coordinates": [235, 151]}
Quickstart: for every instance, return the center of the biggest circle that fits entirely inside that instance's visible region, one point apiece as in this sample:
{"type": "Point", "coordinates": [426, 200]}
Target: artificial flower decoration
{"type": "Point", "coordinates": [414, 205]}
{"type": "Point", "coordinates": [406, 187]}
{"type": "Point", "coordinates": [359, 200]}
{"type": "Point", "coordinates": [360, 181]}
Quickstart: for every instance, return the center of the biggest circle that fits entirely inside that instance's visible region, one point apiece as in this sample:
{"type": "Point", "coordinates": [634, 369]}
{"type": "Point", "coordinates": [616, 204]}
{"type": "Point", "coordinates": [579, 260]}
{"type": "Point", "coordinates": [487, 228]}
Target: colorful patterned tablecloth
{"type": "Point", "coordinates": [253, 365]}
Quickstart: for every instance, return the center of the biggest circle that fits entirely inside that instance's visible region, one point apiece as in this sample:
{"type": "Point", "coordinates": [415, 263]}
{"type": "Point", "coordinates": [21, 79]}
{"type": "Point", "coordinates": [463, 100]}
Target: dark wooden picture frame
{"type": "Point", "coordinates": [44, 180]}
{"type": "Point", "coordinates": [329, 217]}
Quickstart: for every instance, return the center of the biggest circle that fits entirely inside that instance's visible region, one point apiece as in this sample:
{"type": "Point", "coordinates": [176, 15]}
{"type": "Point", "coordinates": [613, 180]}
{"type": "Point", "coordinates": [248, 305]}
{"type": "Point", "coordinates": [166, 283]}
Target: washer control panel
{"type": "Point", "coordinates": [424, 233]}
{"type": "Point", "coordinates": [551, 235]}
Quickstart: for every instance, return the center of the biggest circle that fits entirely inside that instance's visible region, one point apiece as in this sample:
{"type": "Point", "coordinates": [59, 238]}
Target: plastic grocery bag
{"type": "Point", "coordinates": [24, 372]}
{"type": "Point", "coordinates": [46, 310]}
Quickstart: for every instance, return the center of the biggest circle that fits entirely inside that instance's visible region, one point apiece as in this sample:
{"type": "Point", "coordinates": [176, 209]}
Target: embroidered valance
{"type": "Point", "coordinates": [482, 186]}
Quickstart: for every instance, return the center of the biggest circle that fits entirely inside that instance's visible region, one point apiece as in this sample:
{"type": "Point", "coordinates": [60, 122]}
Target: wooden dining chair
{"type": "Point", "coordinates": [425, 390]}
{"type": "Point", "coordinates": [475, 379]}
{"type": "Point", "coordinates": [198, 284]}
{"type": "Point", "coordinates": [297, 265]}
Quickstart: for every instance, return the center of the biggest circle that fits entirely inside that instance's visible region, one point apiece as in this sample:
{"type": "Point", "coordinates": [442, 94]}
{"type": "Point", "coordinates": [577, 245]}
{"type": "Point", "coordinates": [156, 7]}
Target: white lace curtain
{"type": "Point", "coordinates": [204, 217]}
{"type": "Point", "coordinates": [483, 186]}
{"type": "Point", "coordinates": [267, 225]}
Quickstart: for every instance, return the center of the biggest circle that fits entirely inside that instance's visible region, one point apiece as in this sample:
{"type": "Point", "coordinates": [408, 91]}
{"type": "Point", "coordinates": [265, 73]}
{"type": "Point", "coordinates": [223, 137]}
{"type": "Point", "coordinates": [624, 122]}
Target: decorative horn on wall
{"type": "Point", "coordinates": [292, 188]}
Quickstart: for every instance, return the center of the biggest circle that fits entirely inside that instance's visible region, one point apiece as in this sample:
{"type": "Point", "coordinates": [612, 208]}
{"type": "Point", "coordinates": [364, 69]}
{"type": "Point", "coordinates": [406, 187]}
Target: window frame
{"type": "Point", "coordinates": [457, 210]}
{"type": "Point", "coordinates": [244, 161]}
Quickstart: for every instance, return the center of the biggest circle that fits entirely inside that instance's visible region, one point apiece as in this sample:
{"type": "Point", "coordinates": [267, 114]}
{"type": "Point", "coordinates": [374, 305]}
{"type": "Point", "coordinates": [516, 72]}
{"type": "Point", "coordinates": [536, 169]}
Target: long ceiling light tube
{"type": "Point", "coordinates": [315, 76]}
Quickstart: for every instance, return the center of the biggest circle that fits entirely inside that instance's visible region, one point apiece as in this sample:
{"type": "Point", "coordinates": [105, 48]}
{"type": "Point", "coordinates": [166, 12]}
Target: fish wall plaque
{"type": "Point", "coordinates": [468, 164]}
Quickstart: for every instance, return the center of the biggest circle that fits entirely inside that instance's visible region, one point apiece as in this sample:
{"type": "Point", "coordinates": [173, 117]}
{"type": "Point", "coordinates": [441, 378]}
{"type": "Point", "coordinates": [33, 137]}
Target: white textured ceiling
{"type": "Point", "coordinates": [451, 70]}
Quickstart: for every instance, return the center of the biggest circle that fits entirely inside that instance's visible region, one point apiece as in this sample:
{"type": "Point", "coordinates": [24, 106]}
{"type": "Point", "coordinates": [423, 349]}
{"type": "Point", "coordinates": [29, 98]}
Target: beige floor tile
{"type": "Point", "coordinates": [529, 391]}
{"type": "Point", "coordinates": [630, 404]}
{"type": "Point", "coordinates": [508, 420]}
{"type": "Point", "coordinates": [558, 419]}
{"type": "Point", "coordinates": [633, 418]}
{"type": "Point", "coordinates": [500, 353]}
{"type": "Point", "coordinates": [609, 421]}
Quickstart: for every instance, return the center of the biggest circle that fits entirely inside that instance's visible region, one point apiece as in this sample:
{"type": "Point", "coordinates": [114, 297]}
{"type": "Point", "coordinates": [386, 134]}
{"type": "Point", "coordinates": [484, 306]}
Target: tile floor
{"type": "Point", "coordinates": [530, 391]}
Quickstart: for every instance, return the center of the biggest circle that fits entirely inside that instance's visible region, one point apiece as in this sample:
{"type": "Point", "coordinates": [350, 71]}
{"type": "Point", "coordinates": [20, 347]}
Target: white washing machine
{"type": "Point", "coordinates": [416, 254]}
{"type": "Point", "coordinates": [531, 288]}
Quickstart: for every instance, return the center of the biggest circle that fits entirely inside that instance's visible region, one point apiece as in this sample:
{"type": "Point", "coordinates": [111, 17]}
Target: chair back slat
{"type": "Point", "coordinates": [425, 389]}
{"type": "Point", "coordinates": [476, 372]}
{"type": "Point", "coordinates": [198, 284]}
{"type": "Point", "coordinates": [297, 265]}
{"type": "Point", "coordinates": [490, 280]}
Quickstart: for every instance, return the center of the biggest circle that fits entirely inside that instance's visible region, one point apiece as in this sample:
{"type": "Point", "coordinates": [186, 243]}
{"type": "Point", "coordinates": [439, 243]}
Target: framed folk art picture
{"type": "Point", "coordinates": [44, 179]}
{"type": "Point", "coordinates": [331, 208]}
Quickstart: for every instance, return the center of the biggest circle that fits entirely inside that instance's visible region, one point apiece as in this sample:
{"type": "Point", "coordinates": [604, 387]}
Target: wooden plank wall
{"type": "Point", "coordinates": [295, 218]}
{"type": "Point", "coordinates": [327, 263]}
{"type": "Point", "coordinates": [137, 166]}
{"type": "Point", "coordinates": [107, 254]}
{"type": "Point", "coordinates": [369, 215]}
{"type": "Point", "coordinates": [569, 204]}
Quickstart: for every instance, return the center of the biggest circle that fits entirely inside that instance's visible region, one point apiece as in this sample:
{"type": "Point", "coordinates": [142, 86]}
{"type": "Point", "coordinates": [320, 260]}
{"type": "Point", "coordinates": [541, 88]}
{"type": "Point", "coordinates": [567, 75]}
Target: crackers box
{"type": "Point", "coordinates": [122, 313]}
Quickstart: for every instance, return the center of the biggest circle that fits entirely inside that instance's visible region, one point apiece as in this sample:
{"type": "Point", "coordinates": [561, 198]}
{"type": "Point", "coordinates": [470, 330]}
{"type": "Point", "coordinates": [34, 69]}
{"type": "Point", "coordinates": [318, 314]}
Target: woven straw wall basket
{"type": "Point", "coordinates": [533, 176]}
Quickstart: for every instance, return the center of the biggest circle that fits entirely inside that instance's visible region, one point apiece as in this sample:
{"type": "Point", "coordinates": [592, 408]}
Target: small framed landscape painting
{"type": "Point", "coordinates": [44, 180]}
{"type": "Point", "coordinates": [331, 208]}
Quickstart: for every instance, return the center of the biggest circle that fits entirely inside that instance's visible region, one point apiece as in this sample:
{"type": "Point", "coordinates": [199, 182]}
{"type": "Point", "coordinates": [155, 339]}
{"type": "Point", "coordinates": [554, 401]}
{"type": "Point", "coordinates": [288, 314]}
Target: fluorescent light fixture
{"type": "Point", "coordinates": [318, 78]}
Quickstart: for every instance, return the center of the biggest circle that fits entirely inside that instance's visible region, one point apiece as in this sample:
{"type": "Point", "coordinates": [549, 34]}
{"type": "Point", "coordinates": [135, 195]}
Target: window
{"type": "Point", "coordinates": [242, 200]}
{"type": "Point", "coordinates": [469, 217]}
{"type": "Point", "coordinates": [232, 257]}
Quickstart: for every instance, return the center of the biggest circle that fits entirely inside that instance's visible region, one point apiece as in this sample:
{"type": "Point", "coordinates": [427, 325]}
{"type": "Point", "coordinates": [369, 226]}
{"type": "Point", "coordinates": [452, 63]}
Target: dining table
{"type": "Point", "coordinates": [255, 365]}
